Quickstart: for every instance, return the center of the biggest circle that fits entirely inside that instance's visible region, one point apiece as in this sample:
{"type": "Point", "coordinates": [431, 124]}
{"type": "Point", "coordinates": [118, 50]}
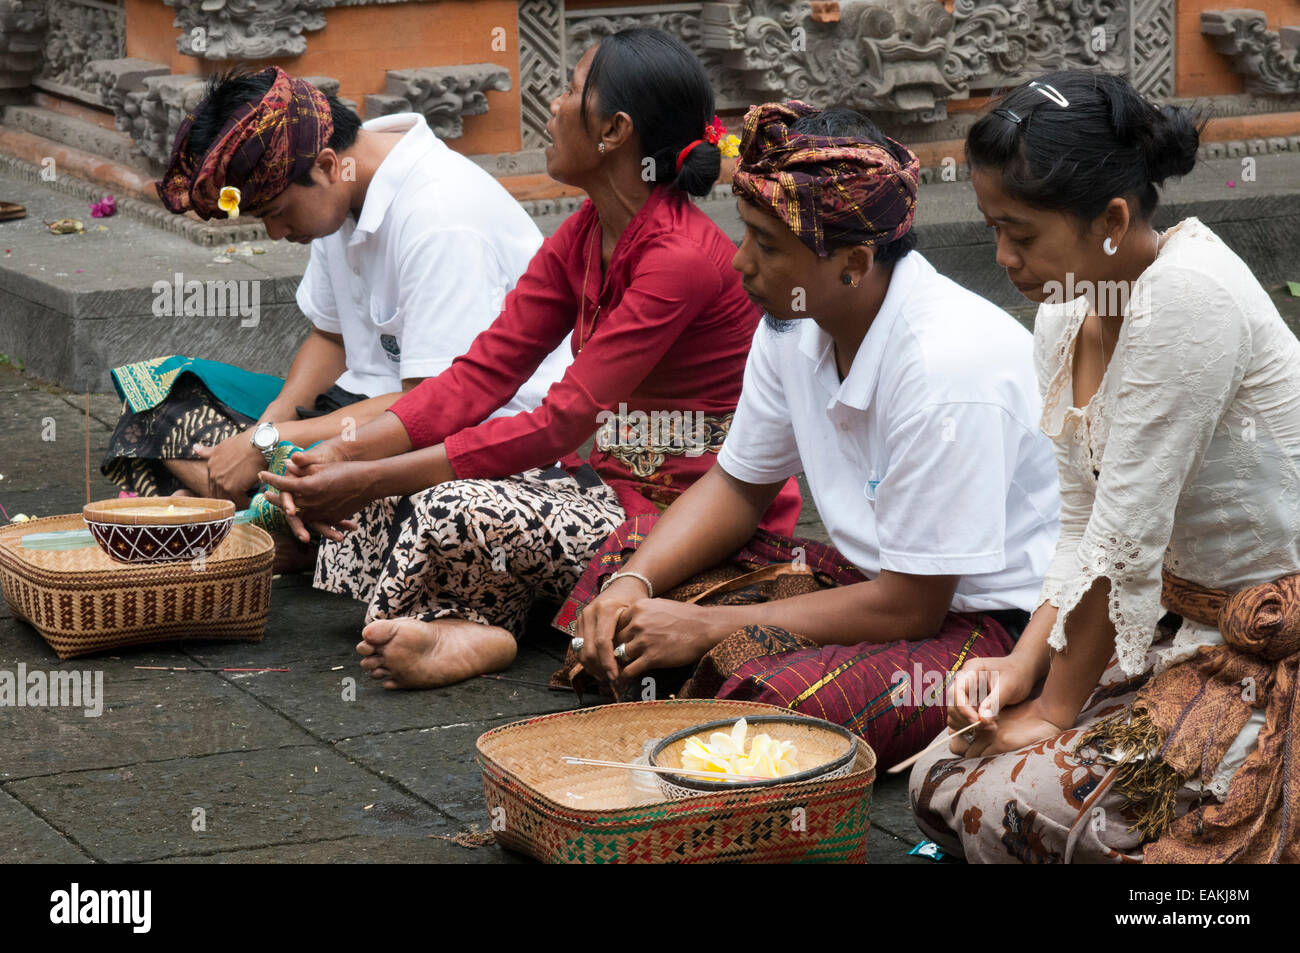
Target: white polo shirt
{"type": "Point", "coordinates": [927, 459]}
{"type": "Point", "coordinates": [423, 269]}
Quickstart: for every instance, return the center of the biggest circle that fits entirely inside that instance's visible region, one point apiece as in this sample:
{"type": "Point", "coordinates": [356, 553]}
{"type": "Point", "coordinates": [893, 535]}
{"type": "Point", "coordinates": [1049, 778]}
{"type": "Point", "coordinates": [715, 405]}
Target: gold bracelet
{"type": "Point", "coordinates": [650, 590]}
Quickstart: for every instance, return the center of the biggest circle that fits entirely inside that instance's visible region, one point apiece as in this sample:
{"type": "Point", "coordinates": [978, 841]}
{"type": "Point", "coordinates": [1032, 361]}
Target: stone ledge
{"type": "Point", "coordinates": [149, 212]}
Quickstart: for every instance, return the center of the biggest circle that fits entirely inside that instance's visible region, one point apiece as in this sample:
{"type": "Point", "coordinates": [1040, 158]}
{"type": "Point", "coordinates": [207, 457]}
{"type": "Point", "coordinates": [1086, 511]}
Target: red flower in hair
{"type": "Point", "coordinates": [714, 131]}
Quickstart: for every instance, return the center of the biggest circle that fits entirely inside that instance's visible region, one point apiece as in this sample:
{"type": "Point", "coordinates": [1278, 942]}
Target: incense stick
{"type": "Point", "coordinates": [517, 681]}
{"type": "Point", "coordinates": [87, 446]}
{"type": "Point", "coordinates": [710, 775]}
{"type": "Point", "coordinates": [908, 762]}
{"type": "Point", "coordinates": [184, 668]}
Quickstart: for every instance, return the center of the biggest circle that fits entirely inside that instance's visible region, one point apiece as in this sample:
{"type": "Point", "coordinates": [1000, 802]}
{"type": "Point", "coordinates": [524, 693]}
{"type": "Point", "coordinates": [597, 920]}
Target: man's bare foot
{"type": "Point", "coordinates": [293, 555]}
{"type": "Point", "coordinates": [409, 653]}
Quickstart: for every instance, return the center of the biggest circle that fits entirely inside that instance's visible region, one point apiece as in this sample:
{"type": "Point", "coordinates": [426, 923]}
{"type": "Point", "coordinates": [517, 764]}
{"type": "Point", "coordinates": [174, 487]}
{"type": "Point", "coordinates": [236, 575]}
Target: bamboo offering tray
{"type": "Point", "coordinates": [82, 601]}
{"type": "Point", "coordinates": [564, 813]}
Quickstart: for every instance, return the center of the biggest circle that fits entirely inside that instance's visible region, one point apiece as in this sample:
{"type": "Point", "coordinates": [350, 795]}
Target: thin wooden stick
{"type": "Point", "coordinates": [711, 775]}
{"type": "Point", "coordinates": [908, 762]}
{"type": "Point", "coordinates": [87, 446]}
{"type": "Point", "coordinates": [187, 668]}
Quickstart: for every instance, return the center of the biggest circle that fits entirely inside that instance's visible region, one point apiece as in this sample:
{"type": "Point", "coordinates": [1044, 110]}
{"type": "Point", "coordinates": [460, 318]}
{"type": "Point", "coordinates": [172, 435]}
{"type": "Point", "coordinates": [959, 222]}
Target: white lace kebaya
{"type": "Point", "coordinates": [1187, 457]}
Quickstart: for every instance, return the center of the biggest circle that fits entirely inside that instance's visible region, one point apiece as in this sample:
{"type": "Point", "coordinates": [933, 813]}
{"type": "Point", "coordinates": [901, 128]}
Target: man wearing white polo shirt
{"type": "Point", "coordinates": [413, 250]}
{"type": "Point", "coordinates": [910, 405]}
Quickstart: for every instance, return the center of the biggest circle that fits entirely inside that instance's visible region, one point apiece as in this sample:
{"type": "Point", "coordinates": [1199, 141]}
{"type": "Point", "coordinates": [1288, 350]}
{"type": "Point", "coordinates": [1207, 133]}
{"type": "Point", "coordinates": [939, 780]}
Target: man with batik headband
{"type": "Point", "coordinates": [413, 249]}
{"type": "Point", "coordinates": [910, 406]}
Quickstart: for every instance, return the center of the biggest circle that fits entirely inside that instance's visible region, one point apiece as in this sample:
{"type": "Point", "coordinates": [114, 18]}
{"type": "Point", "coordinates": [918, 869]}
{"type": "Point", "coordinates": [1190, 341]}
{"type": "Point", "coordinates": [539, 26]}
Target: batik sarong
{"type": "Point", "coordinates": [482, 550]}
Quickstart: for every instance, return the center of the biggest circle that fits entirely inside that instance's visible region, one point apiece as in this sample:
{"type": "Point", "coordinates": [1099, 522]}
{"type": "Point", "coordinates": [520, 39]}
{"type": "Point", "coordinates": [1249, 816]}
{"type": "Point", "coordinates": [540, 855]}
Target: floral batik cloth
{"type": "Point", "coordinates": [481, 550]}
{"type": "Point", "coordinates": [1043, 804]}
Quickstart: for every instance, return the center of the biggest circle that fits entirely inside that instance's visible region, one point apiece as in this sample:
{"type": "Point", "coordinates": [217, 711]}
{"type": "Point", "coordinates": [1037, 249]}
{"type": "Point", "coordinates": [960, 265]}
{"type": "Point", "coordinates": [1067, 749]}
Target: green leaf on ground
{"type": "Point", "coordinates": [1294, 288]}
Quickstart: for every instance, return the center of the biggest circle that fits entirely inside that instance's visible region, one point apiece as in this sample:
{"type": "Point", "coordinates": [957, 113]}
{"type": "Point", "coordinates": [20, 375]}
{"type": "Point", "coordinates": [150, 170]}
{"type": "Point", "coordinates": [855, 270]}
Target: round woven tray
{"type": "Point", "coordinates": [565, 813]}
{"type": "Point", "coordinates": [82, 601]}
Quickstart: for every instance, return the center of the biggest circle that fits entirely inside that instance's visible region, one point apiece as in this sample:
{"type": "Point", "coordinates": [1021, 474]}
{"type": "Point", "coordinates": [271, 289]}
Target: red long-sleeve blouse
{"type": "Point", "coordinates": [666, 328]}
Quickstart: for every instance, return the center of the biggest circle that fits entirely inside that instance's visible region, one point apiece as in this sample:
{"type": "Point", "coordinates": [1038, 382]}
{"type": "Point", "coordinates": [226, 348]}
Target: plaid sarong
{"type": "Point", "coordinates": [877, 689]}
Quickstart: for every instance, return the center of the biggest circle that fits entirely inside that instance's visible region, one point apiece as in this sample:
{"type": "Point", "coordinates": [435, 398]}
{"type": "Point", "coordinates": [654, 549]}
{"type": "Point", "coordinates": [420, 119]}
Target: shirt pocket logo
{"type": "Point", "coordinates": [391, 347]}
{"type": "Point", "coordinates": [873, 481]}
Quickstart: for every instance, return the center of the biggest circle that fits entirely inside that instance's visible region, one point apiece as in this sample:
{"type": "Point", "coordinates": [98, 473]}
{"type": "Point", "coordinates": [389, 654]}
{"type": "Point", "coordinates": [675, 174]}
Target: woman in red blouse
{"type": "Point", "coordinates": [464, 520]}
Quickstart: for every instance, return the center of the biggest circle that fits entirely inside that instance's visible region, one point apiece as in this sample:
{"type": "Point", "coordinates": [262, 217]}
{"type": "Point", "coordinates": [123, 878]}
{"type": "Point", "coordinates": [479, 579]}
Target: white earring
{"type": "Point", "coordinates": [602, 148]}
{"type": "Point", "coordinates": [1108, 246]}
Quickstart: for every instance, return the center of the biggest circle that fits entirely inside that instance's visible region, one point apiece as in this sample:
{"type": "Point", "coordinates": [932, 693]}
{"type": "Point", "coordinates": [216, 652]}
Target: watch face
{"type": "Point", "coordinates": [264, 436]}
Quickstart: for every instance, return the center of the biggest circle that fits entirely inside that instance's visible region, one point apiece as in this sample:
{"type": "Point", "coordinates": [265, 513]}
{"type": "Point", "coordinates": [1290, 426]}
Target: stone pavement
{"type": "Point", "coordinates": [282, 767]}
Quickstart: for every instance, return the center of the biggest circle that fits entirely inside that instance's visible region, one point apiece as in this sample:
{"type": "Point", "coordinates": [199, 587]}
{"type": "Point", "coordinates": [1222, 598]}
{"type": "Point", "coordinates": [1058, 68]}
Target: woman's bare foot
{"type": "Point", "coordinates": [409, 653]}
{"type": "Point", "coordinates": [182, 493]}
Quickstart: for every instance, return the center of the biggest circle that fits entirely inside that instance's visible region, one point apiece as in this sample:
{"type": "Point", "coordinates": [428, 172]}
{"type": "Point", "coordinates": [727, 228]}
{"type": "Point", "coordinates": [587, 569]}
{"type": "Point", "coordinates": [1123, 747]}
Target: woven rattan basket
{"type": "Point", "coordinates": [82, 601]}
{"type": "Point", "coordinates": [562, 813]}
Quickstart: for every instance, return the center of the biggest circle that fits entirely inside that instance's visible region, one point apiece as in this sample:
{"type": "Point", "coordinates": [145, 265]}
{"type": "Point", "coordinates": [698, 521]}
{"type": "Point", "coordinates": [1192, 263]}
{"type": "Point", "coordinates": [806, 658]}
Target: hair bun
{"type": "Point", "coordinates": [1172, 145]}
{"type": "Point", "coordinates": [700, 169]}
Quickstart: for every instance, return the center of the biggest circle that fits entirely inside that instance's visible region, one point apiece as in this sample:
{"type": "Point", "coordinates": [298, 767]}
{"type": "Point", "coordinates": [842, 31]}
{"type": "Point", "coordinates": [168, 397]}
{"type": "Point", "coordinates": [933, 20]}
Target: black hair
{"type": "Point", "coordinates": [1108, 142]}
{"type": "Point", "coordinates": [228, 91]}
{"type": "Point", "coordinates": [841, 122]}
{"type": "Point", "coordinates": [656, 79]}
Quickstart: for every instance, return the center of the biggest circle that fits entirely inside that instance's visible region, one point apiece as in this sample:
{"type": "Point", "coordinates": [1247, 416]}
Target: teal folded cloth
{"type": "Point", "coordinates": [146, 384]}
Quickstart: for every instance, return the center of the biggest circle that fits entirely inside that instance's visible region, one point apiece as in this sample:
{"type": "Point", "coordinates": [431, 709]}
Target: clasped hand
{"type": "Point", "coordinates": [657, 633]}
{"type": "Point", "coordinates": [320, 489]}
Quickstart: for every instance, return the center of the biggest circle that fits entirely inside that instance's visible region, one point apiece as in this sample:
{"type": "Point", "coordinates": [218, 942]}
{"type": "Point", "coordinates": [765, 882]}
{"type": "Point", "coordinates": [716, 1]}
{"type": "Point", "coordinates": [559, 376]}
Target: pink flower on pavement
{"type": "Point", "coordinates": [104, 207]}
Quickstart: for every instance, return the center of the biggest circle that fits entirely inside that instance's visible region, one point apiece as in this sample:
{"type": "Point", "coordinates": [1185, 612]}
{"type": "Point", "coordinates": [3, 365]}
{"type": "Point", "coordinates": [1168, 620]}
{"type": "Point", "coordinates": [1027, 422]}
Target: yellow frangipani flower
{"type": "Point", "coordinates": [228, 201]}
{"type": "Point", "coordinates": [725, 753]}
{"type": "Point", "coordinates": [730, 146]}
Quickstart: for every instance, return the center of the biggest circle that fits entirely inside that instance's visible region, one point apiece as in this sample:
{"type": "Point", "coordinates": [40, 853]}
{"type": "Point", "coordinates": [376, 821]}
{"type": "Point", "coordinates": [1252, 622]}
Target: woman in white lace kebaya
{"type": "Point", "coordinates": [1150, 709]}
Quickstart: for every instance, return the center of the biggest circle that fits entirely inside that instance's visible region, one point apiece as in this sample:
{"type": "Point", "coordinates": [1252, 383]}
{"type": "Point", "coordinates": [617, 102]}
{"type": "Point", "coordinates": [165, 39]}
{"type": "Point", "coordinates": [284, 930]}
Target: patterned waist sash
{"type": "Point", "coordinates": [643, 441]}
{"type": "Point", "coordinates": [1184, 720]}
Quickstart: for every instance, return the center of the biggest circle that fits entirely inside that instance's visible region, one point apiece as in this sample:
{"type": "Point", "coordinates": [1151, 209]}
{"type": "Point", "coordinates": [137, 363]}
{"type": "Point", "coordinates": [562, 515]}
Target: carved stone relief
{"type": "Point", "coordinates": [1256, 52]}
{"type": "Point", "coordinates": [80, 31]}
{"type": "Point", "coordinates": [906, 58]}
{"type": "Point", "coordinates": [246, 29]}
{"type": "Point", "coordinates": [23, 24]}
{"type": "Point", "coordinates": [443, 94]}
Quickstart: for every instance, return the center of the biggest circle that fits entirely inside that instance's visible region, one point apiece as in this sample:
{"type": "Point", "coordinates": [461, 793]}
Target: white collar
{"type": "Point", "coordinates": [858, 387]}
{"type": "Point", "coordinates": [394, 168]}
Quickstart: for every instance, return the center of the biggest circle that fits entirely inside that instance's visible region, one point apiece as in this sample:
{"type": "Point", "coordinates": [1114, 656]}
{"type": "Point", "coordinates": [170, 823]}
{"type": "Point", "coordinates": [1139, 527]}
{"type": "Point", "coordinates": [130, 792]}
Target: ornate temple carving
{"type": "Point", "coordinates": [152, 115]}
{"type": "Point", "coordinates": [445, 95]}
{"type": "Point", "coordinates": [1256, 52]}
{"type": "Point", "coordinates": [905, 58]}
{"type": "Point", "coordinates": [246, 29]}
{"type": "Point", "coordinates": [115, 78]}
{"type": "Point", "coordinates": [23, 24]}
{"type": "Point", "coordinates": [80, 32]}
{"type": "Point", "coordinates": [879, 54]}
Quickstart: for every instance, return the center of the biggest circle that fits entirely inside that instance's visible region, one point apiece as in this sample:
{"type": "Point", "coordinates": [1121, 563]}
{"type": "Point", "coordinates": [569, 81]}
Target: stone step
{"type": "Point", "coordinates": [73, 306]}
{"type": "Point", "coordinates": [72, 131]}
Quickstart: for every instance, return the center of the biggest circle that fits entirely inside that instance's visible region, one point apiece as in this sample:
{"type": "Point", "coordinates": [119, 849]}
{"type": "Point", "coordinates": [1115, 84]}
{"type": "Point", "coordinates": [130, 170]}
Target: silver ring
{"type": "Point", "coordinates": [576, 643]}
{"type": "Point", "coordinates": [621, 652]}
